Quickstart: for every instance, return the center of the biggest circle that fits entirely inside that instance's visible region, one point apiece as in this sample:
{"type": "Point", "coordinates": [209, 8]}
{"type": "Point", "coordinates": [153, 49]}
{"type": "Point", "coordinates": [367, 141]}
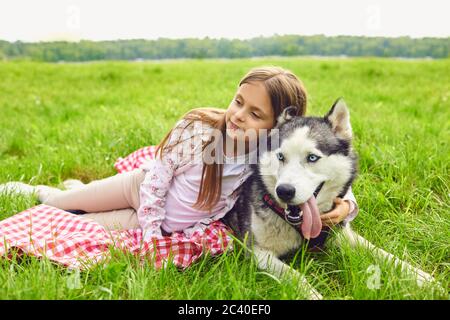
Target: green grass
{"type": "Point", "coordinates": [61, 121]}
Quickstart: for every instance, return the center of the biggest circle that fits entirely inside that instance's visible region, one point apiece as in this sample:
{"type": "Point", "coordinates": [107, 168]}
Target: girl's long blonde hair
{"type": "Point", "coordinates": [284, 90]}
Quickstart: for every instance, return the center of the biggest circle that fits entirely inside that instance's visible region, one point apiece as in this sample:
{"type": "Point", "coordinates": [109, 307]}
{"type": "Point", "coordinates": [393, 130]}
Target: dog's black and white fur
{"type": "Point", "coordinates": [327, 141]}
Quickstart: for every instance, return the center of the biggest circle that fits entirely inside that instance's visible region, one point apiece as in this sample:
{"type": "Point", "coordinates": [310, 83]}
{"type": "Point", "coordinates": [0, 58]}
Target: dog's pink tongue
{"type": "Point", "coordinates": [311, 225]}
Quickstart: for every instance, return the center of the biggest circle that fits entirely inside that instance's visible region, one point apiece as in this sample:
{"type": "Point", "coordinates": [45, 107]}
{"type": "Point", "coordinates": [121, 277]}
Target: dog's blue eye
{"type": "Point", "coordinates": [280, 156]}
{"type": "Point", "coordinates": [312, 158]}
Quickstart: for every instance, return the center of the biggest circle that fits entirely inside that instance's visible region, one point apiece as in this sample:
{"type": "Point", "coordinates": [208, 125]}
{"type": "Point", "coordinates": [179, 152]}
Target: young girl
{"type": "Point", "coordinates": [181, 188]}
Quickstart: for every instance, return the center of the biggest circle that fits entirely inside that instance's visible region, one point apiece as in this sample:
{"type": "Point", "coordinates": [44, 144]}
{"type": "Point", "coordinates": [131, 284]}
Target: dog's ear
{"type": "Point", "coordinates": [339, 119]}
{"type": "Point", "coordinates": [287, 114]}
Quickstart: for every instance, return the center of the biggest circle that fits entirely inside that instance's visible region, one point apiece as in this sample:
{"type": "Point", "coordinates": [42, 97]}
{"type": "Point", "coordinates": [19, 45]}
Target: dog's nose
{"type": "Point", "coordinates": [285, 192]}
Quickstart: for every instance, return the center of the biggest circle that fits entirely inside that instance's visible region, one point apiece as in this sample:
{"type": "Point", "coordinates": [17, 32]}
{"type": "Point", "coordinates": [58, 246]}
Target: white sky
{"type": "Point", "coordinates": [35, 20]}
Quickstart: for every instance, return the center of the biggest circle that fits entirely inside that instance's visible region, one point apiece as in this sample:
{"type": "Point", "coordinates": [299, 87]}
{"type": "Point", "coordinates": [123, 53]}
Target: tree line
{"type": "Point", "coordinates": [286, 45]}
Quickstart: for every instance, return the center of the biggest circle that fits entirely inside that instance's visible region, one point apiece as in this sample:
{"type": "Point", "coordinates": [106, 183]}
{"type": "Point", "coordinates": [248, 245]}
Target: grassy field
{"type": "Point", "coordinates": [61, 121]}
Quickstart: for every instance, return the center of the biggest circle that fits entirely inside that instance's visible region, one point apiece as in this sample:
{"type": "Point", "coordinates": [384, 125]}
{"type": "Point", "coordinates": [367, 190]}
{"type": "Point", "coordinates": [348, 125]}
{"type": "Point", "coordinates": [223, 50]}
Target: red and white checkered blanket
{"type": "Point", "coordinates": [75, 242]}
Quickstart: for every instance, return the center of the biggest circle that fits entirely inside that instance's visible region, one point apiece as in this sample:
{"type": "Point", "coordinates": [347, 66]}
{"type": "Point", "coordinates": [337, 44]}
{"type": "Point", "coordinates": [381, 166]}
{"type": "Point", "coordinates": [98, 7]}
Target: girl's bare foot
{"type": "Point", "coordinates": [16, 187]}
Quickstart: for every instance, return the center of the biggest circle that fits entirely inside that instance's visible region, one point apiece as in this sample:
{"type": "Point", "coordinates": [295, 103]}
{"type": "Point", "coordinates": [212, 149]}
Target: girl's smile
{"type": "Point", "coordinates": [250, 110]}
{"type": "Point", "coordinates": [232, 126]}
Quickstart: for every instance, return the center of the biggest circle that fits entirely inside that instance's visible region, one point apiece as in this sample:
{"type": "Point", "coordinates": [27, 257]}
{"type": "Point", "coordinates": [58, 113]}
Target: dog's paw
{"type": "Point", "coordinates": [310, 292]}
{"type": "Point", "coordinates": [425, 279]}
{"type": "Point", "coordinates": [314, 295]}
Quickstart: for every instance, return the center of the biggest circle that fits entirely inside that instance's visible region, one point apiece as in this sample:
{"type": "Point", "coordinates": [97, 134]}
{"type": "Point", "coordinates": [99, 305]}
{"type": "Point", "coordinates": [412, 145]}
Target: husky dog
{"type": "Point", "coordinates": [313, 164]}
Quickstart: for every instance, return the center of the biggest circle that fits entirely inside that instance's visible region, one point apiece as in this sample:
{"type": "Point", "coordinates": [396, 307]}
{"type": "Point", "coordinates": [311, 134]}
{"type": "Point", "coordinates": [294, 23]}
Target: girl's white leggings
{"type": "Point", "coordinates": [112, 201]}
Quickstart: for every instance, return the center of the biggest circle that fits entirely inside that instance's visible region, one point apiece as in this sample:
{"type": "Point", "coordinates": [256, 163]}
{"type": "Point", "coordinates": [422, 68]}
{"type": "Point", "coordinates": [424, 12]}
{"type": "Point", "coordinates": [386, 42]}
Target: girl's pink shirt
{"type": "Point", "coordinates": [171, 185]}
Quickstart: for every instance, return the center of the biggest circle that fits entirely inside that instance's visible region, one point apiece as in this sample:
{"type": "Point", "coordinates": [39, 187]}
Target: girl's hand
{"type": "Point", "coordinates": [338, 214]}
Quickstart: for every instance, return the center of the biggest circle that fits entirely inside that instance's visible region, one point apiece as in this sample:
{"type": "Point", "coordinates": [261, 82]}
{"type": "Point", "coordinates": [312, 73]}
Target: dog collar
{"type": "Point", "coordinates": [292, 214]}
{"type": "Point", "coordinates": [315, 244]}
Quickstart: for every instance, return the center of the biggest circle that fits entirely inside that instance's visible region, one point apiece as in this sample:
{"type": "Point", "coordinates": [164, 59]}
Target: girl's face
{"type": "Point", "coordinates": [249, 112]}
